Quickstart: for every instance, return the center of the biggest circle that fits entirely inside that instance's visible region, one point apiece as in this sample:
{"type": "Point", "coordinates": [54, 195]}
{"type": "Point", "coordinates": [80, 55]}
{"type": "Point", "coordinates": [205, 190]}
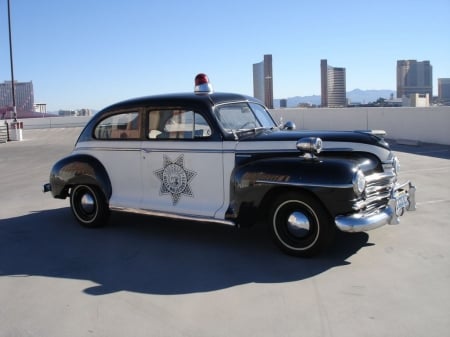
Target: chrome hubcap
{"type": "Point", "coordinates": [298, 224]}
{"type": "Point", "coordinates": [87, 203]}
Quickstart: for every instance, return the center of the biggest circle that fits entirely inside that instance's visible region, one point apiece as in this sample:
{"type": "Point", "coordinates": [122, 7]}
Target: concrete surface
{"type": "Point", "coordinates": [146, 277]}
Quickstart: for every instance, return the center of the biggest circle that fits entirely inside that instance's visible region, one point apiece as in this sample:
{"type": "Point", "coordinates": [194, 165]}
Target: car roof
{"type": "Point", "coordinates": [182, 99]}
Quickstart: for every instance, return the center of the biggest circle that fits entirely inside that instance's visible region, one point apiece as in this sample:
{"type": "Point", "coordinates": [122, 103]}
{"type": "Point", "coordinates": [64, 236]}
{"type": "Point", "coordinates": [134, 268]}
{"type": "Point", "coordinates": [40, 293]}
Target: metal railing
{"type": "Point", "coordinates": [3, 132]}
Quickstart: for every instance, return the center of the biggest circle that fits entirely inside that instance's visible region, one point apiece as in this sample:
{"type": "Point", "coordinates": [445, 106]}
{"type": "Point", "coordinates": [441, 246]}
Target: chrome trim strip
{"type": "Point", "coordinates": [269, 182]}
{"type": "Point", "coordinates": [150, 150]}
{"type": "Point", "coordinates": [172, 215]}
{"type": "Point", "coordinates": [97, 148]}
{"type": "Point", "coordinates": [259, 151]}
{"type": "Point", "coordinates": [220, 151]}
{"type": "Point", "coordinates": [337, 149]}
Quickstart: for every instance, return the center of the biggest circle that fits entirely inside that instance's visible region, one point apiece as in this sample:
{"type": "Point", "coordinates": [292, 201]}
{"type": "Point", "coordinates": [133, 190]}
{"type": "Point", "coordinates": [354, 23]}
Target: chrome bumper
{"type": "Point", "coordinates": [46, 188]}
{"type": "Point", "coordinates": [403, 198]}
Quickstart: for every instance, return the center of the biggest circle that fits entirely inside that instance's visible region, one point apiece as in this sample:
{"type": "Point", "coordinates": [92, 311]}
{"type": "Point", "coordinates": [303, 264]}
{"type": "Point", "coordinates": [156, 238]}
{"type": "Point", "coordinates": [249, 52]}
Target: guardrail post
{"type": "Point", "coordinates": [4, 133]}
{"type": "Point", "coordinates": [15, 131]}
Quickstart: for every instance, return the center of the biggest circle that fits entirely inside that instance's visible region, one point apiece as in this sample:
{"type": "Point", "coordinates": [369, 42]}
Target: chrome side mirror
{"type": "Point", "coordinates": [289, 126]}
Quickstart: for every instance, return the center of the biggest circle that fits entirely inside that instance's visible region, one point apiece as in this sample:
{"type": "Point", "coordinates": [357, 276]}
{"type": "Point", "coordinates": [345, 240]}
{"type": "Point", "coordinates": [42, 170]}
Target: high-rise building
{"type": "Point", "coordinates": [263, 81]}
{"type": "Point", "coordinates": [444, 90]}
{"type": "Point", "coordinates": [24, 96]}
{"type": "Point", "coordinates": [333, 86]}
{"type": "Point", "coordinates": [414, 77]}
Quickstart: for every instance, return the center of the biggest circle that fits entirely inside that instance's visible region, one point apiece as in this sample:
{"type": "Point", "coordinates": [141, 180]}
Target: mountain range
{"type": "Point", "coordinates": [355, 96]}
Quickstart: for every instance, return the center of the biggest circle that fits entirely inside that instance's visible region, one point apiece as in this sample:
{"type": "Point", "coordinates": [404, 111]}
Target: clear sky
{"type": "Point", "coordinates": [91, 53]}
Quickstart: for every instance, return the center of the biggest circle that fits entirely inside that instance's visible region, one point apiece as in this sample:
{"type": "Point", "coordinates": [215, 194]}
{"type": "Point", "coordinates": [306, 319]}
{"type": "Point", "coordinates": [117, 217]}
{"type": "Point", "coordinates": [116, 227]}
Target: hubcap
{"type": "Point", "coordinates": [298, 224]}
{"type": "Point", "coordinates": [87, 203]}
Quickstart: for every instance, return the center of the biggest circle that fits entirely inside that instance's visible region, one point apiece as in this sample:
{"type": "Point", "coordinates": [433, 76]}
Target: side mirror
{"type": "Point", "coordinates": [289, 126]}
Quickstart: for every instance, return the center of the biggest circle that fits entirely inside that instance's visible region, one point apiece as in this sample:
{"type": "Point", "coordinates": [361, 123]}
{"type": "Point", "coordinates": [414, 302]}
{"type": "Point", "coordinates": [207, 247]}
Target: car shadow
{"type": "Point", "coordinates": [154, 256]}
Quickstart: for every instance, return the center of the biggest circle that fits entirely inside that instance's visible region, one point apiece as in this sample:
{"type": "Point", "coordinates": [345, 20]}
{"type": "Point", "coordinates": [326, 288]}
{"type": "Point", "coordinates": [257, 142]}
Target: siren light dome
{"type": "Point", "coordinates": [202, 85]}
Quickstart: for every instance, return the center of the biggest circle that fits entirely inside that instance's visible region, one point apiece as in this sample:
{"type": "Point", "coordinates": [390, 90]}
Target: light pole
{"type": "Point", "coordinates": [15, 128]}
{"type": "Point", "coordinates": [13, 90]}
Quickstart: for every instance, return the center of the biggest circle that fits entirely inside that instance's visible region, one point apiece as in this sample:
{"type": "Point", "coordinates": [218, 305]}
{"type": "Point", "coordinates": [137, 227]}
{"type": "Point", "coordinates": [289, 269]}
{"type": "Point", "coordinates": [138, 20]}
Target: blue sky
{"type": "Point", "coordinates": [91, 53]}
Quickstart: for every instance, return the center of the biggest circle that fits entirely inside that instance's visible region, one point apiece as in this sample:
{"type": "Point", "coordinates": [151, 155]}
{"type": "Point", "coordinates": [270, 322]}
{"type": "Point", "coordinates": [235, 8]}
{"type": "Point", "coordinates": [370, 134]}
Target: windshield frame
{"type": "Point", "coordinates": [231, 119]}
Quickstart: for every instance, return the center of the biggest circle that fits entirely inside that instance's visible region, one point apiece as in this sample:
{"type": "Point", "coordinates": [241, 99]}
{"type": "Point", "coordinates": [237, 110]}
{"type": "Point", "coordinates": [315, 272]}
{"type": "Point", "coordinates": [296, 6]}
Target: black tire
{"type": "Point", "coordinates": [300, 225]}
{"type": "Point", "coordinates": [89, 206]}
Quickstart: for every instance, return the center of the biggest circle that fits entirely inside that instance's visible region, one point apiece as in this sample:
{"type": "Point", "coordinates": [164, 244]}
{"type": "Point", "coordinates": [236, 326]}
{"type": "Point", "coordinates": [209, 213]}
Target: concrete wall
{"type": "Point", "coordinates": [54, 122]}
{"type": "Point", "coordinates": [429, 125]}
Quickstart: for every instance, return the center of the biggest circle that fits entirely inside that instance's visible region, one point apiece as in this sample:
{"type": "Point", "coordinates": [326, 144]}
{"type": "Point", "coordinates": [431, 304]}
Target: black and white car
{"type": "Point", "coordinates": [221, 158]}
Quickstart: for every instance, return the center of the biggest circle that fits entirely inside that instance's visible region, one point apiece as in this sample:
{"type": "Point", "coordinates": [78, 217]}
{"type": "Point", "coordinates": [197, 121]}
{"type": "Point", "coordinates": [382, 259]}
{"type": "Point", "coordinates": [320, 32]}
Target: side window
{"type": "Point", "coordinates": [177, 124]}
{"type": "Point", "coordinates": [120, 126]}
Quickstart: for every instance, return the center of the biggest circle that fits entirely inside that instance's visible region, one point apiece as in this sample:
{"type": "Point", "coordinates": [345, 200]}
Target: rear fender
{"type": "Point", "coordinates": [78, 169]}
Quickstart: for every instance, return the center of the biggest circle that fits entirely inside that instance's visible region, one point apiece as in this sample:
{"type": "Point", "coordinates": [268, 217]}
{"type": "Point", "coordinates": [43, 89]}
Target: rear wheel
{"type": "Point", "coordinates": [300, 225]}
{"type": "Point", "coordinates": [89, 206]}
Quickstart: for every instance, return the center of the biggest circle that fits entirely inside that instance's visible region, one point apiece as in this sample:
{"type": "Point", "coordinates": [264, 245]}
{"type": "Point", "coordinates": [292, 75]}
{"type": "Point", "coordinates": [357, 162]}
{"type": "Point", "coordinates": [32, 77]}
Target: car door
{"type": "Point", "coordinates": [182, 165]}
{"type": "Point", "coordinates": [117, 145]}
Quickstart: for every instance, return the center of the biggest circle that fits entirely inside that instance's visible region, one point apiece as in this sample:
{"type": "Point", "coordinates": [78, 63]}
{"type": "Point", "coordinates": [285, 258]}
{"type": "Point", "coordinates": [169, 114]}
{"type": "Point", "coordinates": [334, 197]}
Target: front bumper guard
{"type": "Point", "coordinates": [402, 199]}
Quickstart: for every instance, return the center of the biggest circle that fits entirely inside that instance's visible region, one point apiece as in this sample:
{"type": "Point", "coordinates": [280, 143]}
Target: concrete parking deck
{"type": "Point", "coordinates": [146, 277]}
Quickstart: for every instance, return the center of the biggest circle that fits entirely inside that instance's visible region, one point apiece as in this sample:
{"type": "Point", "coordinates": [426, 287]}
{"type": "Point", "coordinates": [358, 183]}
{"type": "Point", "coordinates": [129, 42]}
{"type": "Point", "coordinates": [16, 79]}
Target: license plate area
{"type": "Point", "coordinates": [402, 202]}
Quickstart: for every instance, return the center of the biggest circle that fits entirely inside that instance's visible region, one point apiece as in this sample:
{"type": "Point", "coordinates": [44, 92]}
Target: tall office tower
{"type": "Point", "coordinates": [263, 81]}
{"type": "Point", "coordinates": [24, 96]}
{"type": "Point", "coordinates": [444, 90]}
{"type": "Point", "coordinates": [333, 87]}
{"type": "Point", "coordinates": [414, 78]}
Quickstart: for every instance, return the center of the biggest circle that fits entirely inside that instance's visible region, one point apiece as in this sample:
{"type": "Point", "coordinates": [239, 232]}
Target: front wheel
{"type": "Point", "coordinates": [89, 206]}
{"type": "Point", "coordinates": [300, 225]}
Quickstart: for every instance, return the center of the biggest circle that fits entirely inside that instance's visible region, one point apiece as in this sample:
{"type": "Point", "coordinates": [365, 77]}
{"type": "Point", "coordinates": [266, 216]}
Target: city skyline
{"type": "Point", "coordinates": [92, 54]}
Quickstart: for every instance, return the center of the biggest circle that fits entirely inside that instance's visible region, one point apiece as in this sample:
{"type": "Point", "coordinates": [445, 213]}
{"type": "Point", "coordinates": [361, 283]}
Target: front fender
{"type": "Point", "coordinates": [295, 171]}
{"type": "Point", "coordinates": [330, 179]}
{"type": "Point", "coordinates": [78, 169]}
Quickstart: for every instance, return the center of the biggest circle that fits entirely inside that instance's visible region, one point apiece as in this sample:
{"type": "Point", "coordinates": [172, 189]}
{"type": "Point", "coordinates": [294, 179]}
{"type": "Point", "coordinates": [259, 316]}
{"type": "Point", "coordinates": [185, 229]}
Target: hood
{"type": "Point", "coordinates": [328, 137]}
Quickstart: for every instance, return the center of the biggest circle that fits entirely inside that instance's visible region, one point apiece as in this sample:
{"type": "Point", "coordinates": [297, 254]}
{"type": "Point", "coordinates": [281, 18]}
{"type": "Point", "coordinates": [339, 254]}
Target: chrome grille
{"type": "Point", "coordinates": [378, 190]}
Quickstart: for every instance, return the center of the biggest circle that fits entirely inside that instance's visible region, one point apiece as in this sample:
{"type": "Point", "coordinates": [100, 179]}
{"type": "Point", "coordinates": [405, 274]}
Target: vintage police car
{"type": "Point", "coordinates": [221, 158]}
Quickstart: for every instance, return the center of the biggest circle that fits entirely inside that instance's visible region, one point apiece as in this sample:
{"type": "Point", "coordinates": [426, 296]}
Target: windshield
{"type": "Point", "coordinates": [243, 116]}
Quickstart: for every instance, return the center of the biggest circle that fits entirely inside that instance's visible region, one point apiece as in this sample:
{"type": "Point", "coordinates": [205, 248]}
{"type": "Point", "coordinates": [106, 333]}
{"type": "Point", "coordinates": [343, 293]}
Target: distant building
{"type": "Point", "coordinates": [40, 107]}
{"type": "Point", "coordinates": [283, 103]}
{"type": "Point", "coordinates": [444, 91]}
{"type": "Point", "coordinates": [414, 77]}
{"type": "Point", "coordinates": [333, 86]}
{"type": "Point", "coordinates": [263, 81]}
{"type": "Point", "coordinates": [75, 113]}
{"type": "Point", "coordinates": [416, 100]}
{"type": "Point", "coordinates": [24, 96]}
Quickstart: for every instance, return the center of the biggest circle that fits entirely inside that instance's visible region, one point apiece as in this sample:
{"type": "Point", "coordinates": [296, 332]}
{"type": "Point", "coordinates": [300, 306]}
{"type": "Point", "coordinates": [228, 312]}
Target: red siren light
{"type": "Point", "coordinates": [202, 85]}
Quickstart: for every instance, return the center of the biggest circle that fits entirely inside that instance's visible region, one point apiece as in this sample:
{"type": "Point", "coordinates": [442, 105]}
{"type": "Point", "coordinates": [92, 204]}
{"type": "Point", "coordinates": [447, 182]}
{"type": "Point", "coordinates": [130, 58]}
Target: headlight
{"type": "Point", "coordinates": [396, 165]}
{"type": "Point", "coordinates": [310, 145]}
{"type": "Point", "coordinates": [359, 182]}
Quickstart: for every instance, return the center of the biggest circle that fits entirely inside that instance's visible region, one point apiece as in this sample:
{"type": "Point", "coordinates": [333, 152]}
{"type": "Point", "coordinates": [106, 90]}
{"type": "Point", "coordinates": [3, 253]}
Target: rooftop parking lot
{"type": "Point", "coordinates": [142, 276]}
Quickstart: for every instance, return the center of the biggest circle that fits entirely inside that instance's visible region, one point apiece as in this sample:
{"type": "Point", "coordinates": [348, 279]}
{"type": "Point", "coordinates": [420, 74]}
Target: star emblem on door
{"type": "Point", "coordinates": [175, 178]}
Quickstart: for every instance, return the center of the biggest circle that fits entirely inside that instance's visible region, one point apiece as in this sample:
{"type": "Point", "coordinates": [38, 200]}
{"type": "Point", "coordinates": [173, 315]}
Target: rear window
{"type": "Point", "coordinates": [119, 126]}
